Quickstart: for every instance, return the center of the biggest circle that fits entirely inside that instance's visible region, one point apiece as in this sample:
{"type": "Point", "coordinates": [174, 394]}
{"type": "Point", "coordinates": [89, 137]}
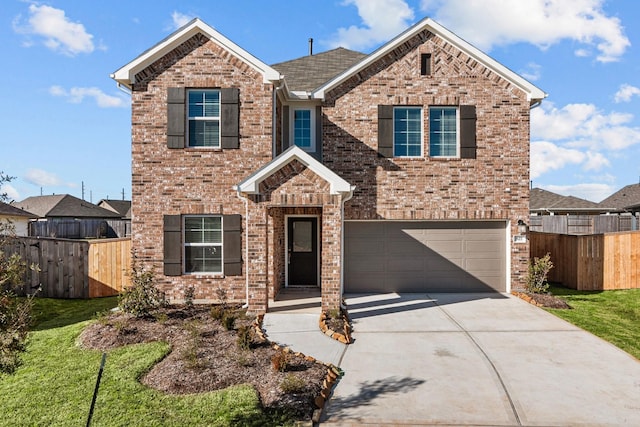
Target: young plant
{"type": "Point", "coordinates": [245, 337]}
{"type": "Point", "coordinates": [537, 277]}
{"type": "Point", "coordinates": [143, 296]}
{"type": "Point", "coordinates": [189, 295]}
{"type": "Point", "coordinates": [280, 361]}
{"type": "Point", "coordinates": [292, 384]}
{"type": "Point", "coordinates": [15, 320]}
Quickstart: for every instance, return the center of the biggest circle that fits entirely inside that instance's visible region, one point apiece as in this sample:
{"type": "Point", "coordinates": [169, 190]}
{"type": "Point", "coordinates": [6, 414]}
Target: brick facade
{"type": "Point", "coordinates": [494, 185]}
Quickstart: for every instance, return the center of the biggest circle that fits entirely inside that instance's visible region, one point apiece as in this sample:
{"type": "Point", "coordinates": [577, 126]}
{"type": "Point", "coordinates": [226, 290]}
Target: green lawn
{"type": "Point", "coordinates": [611, 315]}
{"type": "Point", "coordinates": [55, 384]}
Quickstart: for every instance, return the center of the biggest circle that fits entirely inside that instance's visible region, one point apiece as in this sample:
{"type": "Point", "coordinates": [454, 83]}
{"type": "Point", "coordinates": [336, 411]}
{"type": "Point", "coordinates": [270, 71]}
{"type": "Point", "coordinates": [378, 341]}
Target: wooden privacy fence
{"type": "Point", "coordinates": [583, 224]}
{"type": "Point", "coordinates": [75, 268]}
{"type": "Point", "coordinates": [591, 263]}
{"type": "Point", "coordinates": [80, 228]}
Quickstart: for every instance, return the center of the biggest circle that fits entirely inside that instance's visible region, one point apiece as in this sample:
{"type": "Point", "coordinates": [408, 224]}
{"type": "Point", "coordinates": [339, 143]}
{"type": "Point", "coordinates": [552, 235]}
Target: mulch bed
{"type": "Point", "coordinates": [205, 356]}
{"type": "Point", "coordinates": [543, 300]}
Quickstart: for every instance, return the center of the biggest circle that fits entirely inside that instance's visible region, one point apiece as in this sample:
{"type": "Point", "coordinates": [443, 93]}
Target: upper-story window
{"type": "Point", "coordinates": [303, 129]}
{"type": "Point", "coordinates": [443, 132]}
{"type": "Point", "coordinates": [407, 132]}
{"type": "Point", "coordinates": [204, 118]}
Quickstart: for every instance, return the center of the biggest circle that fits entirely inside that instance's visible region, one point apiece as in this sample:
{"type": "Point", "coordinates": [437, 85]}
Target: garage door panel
{"type": "Point", "coordinates": [427, 256]}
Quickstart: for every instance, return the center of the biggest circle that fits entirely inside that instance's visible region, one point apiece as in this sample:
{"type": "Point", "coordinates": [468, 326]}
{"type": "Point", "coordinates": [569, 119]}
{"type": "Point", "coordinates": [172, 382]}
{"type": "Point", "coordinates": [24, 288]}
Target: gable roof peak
{"type": "Point", "coordinates": [126, 74]}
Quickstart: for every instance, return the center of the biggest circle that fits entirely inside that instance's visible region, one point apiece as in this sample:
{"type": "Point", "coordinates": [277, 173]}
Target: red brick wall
{"type": "Point", "coordinates": [193, 181]}
{"type": "Point", "coordinates": [495, 185]}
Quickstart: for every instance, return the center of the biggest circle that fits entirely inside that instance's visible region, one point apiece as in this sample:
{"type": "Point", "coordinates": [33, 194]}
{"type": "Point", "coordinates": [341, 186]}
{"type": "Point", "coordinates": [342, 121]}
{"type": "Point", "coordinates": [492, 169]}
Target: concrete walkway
{"type": "Point", "coordinates": [478, 359]}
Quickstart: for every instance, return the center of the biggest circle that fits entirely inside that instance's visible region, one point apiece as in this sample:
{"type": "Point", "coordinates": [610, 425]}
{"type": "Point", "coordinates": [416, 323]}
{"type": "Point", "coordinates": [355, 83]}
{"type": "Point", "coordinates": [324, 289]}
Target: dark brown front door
{"type": "Point", "coordinates": [302, 251]}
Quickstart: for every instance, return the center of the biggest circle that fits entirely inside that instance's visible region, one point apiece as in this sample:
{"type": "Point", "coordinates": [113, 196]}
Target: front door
{"type": "Point", "coordinates": [302, 251]}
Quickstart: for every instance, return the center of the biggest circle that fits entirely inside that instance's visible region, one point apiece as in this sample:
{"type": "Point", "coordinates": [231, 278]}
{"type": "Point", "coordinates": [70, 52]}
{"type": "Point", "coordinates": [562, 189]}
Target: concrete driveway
{"type": "Point", "coordinates": [477, 359]}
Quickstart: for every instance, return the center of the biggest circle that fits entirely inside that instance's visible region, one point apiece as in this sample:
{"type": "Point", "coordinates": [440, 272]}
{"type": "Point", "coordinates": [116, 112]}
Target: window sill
{"type": "Point", "coordinates": [206, 275]}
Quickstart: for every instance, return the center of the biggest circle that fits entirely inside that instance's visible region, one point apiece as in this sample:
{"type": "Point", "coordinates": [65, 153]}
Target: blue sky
{"type": "Point", "coordinates": [65, 122]}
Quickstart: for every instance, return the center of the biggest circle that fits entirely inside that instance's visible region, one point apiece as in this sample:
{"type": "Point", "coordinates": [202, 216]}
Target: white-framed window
{"type": "Point", "coordinates": [302, 131]}
{"type": "Point", "coordinates": [202, 244]}
{"type": "Point", "coordinates": [407, 132]}
{"type": "Point", "coordinates": [203, 114]}
{"type": "Point", "coordinates": [444, 140]}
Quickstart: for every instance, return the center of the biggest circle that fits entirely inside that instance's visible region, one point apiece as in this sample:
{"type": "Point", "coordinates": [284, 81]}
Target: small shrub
{"type": "Point", "coordinates": [280, 361]}
{"type": "Point", "coordinates": [292, 384]}
{"type": "Point", "coordinates": [221, 293]}
{"type": "Point", "coordinates": [245, 359]}
{"type": "Point", "coordinates": [161, 318]}
{"type": "Point", "coordinates": [143, 296]}
{"type": "Point", "coordinates": [228, 320]}
{"type": "Point", "coordinates": [245, 337]}
{"type": "Point", "coordinates": [537, 277]}
{"type": "Point", "coordinates": [190, 352]}
{"type": "Point", "coordinates": [15, 320]}
{"type": "Point", "coordinates": [217, 312]}
{"type": "Point", "coordinates": [189, 295]}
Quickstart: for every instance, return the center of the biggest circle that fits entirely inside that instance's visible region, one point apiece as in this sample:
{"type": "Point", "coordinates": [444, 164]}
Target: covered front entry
{"type": "Point", "coordinates": [303, 255]}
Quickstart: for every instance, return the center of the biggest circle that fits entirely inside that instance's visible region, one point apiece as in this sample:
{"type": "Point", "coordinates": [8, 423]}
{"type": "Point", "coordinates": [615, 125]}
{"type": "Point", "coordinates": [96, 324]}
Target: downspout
{"type": "Point", "coordinates": [345, 200]}
{"type": "Point", "coordinates": [246, 243]}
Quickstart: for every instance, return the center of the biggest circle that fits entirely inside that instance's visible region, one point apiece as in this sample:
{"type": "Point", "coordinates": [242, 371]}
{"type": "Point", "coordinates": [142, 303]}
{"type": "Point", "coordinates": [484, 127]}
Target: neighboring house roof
{"type": "Point", "coordinates": [546, 201]}
{"type": "Point", "coordinates": [312, 71]}
{"type": "Point", "coordinates": [122, 207]}
{"type": "Point", "coordinates": [337, 185]}
{"type": "Point", "coordinates": [534, 94]}
{"type": "Point", "coordinates": [13, 211]}
{"type": "Point", "coordinates": [62, 206]}
{"type": "Point", "coordinates": [627, 198]}
{"type": "Point", "coordinates": [126, 74]}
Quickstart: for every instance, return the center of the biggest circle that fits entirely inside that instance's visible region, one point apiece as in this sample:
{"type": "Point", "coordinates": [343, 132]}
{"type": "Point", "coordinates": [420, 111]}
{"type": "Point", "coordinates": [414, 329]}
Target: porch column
{"type": "Point", "coordinates": [331, 256]}
{"type": "Point", "coordinates": [257, 258]}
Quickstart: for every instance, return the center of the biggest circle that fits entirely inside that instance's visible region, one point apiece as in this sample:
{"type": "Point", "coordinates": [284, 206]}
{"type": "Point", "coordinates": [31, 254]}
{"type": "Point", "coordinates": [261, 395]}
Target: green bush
{"type": "Point", "coordinates": [15, 320]}
{"type": "Point", "coordinates": [228, 319]}
{"type": "Point", "coordinates": [143, 296]}
{"type": "Point", "coordinates": [537, 277]}
{"type": "Point", "coordinates": [245, 337]}
{"type": "Point", "coordinates": [292, 384]}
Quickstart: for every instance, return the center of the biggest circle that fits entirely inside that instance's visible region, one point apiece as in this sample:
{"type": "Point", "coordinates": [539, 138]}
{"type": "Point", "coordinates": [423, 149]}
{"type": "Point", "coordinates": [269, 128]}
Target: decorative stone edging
{"type": "Point", "coordinates": [526, 298]}
{"type": "Point", "coordinates": [333, 372]}
{"type": "Point", "coordinates": [343, 338]}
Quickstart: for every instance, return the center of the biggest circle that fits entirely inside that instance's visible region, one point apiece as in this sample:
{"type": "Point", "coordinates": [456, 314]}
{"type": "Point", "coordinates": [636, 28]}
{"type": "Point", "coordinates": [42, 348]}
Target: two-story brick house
{"type": "Point", "coordinates": [404, 170]}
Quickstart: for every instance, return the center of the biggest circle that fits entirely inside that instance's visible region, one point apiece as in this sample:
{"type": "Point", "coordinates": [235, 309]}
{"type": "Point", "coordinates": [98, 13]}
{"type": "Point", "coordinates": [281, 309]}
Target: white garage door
{"type": "Point", "coordinates": [425, 256]}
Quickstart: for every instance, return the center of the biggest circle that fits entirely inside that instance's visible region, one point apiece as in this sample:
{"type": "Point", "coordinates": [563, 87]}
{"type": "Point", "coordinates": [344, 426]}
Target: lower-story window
{"type": "Point", "coordinates": [203, 244]}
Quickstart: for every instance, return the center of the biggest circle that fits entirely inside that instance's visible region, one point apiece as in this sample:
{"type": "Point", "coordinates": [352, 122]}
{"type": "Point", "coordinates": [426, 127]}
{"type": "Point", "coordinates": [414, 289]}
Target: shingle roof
{"type": "Point", "coordinates": [64, 205]}
{"type": "Point", "coordinates": [120, 206]}
{"type": "Point", "coordinates": [312, 71]}
{"type": "Point", "coordinates": [540, 199]}
{"type": "Point", "coordinates": [627, 197]}
{"type": "Point", "coordinates": [9, 210]}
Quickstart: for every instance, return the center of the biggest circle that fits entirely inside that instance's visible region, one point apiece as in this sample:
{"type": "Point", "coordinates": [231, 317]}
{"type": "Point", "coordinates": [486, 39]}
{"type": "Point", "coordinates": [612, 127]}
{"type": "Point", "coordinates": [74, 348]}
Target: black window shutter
{"type": "Point", "coordinates": [172, 227]}
{"type": "Point", "coordinates": [285, 127]}
{"type": "Point", "coordinates": [232, 225]}
{"type": "Point", "coordinates": [230, 117]}
{"type": "Point", "coordinates": [176, 117]}
{"type": "Point", "coordinates": [468, 132]}
{"type": "Point", "coordinates": [318, 153]}
{"type": "Point", "coordinates": [385, 130]}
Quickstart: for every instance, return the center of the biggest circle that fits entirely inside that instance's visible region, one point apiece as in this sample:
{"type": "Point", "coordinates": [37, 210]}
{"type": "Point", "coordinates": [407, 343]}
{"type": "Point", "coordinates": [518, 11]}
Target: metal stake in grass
{"type": "Point", "coordinates": [95, 391]}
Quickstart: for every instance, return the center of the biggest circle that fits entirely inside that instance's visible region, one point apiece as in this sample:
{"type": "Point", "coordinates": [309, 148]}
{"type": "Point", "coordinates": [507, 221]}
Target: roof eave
{"type": "Point", "coordinates": [534, 94]}
{"type": "Point", "coordinates": [126, 74]}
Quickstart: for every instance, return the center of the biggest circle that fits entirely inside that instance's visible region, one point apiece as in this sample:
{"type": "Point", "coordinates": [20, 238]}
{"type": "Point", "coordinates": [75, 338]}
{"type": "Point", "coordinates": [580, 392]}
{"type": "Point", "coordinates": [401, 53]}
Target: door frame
{"type": "Point", "coordinates": [286, 246]}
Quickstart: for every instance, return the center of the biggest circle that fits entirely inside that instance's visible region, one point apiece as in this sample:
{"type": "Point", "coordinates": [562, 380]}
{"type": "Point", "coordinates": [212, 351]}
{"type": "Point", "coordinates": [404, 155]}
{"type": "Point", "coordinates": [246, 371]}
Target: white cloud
{"type": "Point", "coordinates": [625, 93]}
{"type": "Point", "coordinates": [547, 156]}
{"type": "Point", "coordinates": [42, 178]}
{"type": "Point", "coordinates": [595, 161]}
{"type": "Point", "coordinates": [11, 192]}
{"type": "Point", "coordinates": [178, 20]}
{"type": "Point", "coordinates": [584, 126]}
{"type": "Point", "coordinates": [595, 192]}
{"type": "Point", "coordinates": [539, 22]}
{"type": "Point", "coordinates": [381, 21]}
{"type": "Point", "coordinates": [59, 33]}
{"type": "Point", "coordinates": [533, 72]}
{"type": "Point", "coordinates": [76, 95]}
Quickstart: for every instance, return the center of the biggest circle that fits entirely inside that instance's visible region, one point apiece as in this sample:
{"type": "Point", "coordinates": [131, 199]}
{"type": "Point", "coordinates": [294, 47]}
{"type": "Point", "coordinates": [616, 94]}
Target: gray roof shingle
{"type": "Point", "coordinates": [626, 197]}
{"type": "Point", "coordinates": [63, 205]}
{"type": "Point", "coordinates": [9, 210]}
{"type": "Point", "coordinates": [312, 71]}
{"type": "Point", "coordinates": [540, 199]}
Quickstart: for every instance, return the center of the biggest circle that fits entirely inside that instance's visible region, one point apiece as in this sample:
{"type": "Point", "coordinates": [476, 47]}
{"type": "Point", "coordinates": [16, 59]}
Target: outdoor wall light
{"type": "Point", "coordinates": [522, 227]}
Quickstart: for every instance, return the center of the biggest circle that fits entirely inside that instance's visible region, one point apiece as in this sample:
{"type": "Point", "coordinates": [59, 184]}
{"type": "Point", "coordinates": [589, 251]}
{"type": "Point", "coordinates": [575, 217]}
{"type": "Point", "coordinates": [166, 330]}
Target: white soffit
{"type": "Point", "coordinates": [126, 74]}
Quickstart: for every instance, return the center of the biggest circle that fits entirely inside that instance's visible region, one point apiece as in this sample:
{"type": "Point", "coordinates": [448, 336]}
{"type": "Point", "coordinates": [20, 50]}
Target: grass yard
{"type": "Point", "coordinates": [611, 315]}
{"type": "Point", "coordinates": [55, 384]}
